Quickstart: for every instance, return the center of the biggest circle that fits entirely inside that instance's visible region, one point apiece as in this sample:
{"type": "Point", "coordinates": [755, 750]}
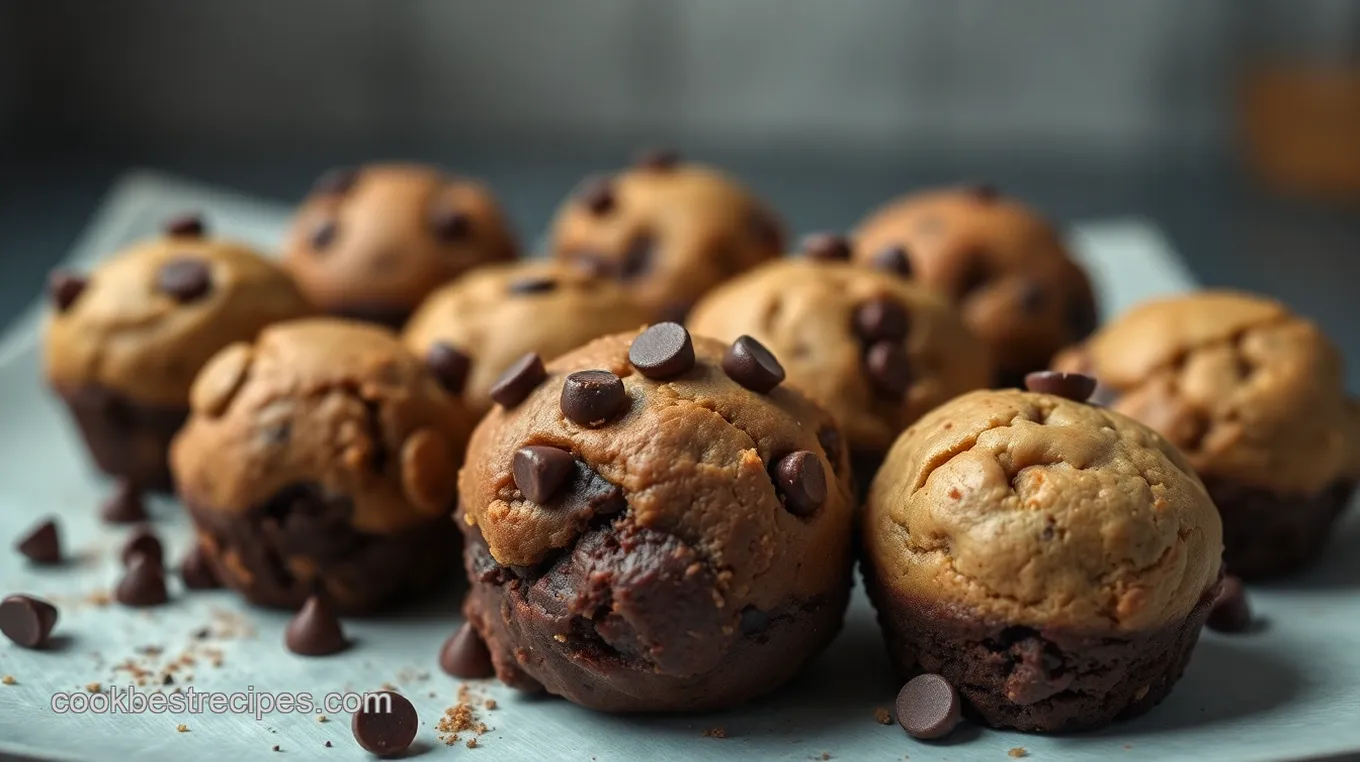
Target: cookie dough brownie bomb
{"type": "Point", "coordinates": [669, 230]}
{"type": "Point", "coordinates": [652, 524]}
{"type": "Point", "coordinates": [370, 243]}
{"type": "Point", "coordinates": [1253, 395]}
{"type": "Point", "coordinates": [1003, 265]}
{"type": "Point", "coordinates": [1053, 559]}
{"type": "Point", "coordinates": [124, 342]}
{"type": "Point", "coordinates": [322, 459]}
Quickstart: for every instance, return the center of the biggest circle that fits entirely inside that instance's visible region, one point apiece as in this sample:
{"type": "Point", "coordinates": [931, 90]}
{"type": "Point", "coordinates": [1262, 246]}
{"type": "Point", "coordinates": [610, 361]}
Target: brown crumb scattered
{"type": "Point", "coordinates": [328, 744]}
{"type": "Point", "coordinates": [431, 694]}
{"type": "Point", "coordinates": [182, 728]}
{"type": "Point", "coordinates": [826, 755]}
{"type": "Point", "coordinates": [1128, 746]}
{"type": "Point", "coordinates": [93, 687]}
{"type": "Point", "coordinates": [472, 743]}
{"type": "Point", "coordinates": [321, 718]}
{"type": "Point", "coordinates": [276, 748]}
{"type": "Point", "coordinates": [560, 638]}
{"type": "Point", "coordinates": [151, 650]}
{"type": "Point", "coordinates": [202, 633]}
{"type": "Point", "coordinates": [491, 703]}
{"type": "Point", "coordinates": [882, 716]}
{"type": "Point", "coordinates": [390, 687]}
{"type": "Point", "coordinates": [1017, 752]}
{"type": "Point", "coordinates": [7, 679]}
{"type": "Point", "coordinates": [715, 733]}
{"type": "Point", "coordinates": [100, 598]}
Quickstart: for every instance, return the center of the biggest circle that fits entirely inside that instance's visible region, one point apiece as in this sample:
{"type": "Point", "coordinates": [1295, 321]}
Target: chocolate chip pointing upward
{"type": "Point", "coordinates": [889, 368]}
{"type": "Point", "coordinates": [323, 235]}
{"type": "Point", "coordinates": [385, 724]}
{"type": "Point", "coordinates": [449, 366]}
{"type": "Point", "coordinates": [1073, 386]}
{"type": "Point", "coordinates": [1231, 613]}
{"type": "Point", "coordinates": [143, 542]}
{"type": "Point", "coordinates": [336, 181]}
{"type": "Point", "coordinates": [657, 159]}
{"type": "Point", "coordinates": [800, 478]}
{"type": "Point", "coordinates": [314, 630]}
{"type": "Point", "coordinates": [533, 284]}
{"type": "Point", "coordinates": [196, 570]}
{"type": "Point", "coordinates": [662, 351]}
{"type": "Point", "coordinates": [985, 192]}
{"type": "Point", "coordinates": [928, 707]}
{"type": "Point", "coordinates": [521, 378]}
{"type": "Point", "coordinates": [450, 225]}
{"type": "Point", "coordinates": [592, 397]}
{"type": "Point", "coordinates": [540, 470]}
{"type": "Point", "coordinates": [465, 655]}
{"type": "Point", "coordinates": [753, 366]}
{"type": "Point", "coordinates": [142, 585]}
{"type": "Point", "coordinates": [26, 620]}
{"type": "Point", "coordinates": [597, 195]}
{"type": "Point", "coordinates": [185, 226]}
{"type": "Point", "coordinates": [881, 319]}
{"type": "Point", "coordinates": [42, 545]}
{"type": "Point", "coordinates": [125, 505]}
{"type": "Point", "coordinates": [184, 278]}
{"type": "Point", "coordinates": [893, 259]}
{"type": "Point", "coordinates": [64, 287]}
{"type": "Point", "coordinates": [826, 247]}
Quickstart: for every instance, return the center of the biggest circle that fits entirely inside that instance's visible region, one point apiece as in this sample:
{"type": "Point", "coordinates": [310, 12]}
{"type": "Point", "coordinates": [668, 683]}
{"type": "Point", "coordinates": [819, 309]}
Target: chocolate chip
{"type": "Point", "coordinates": [1231, 613]}
{"type": "Point", "coordinates": [196, 570]}
{"type": "Point", "coordinates": [184, 279]}
{"type": "Point", "coordinates": [893, 259]}
{"type": "Point", "coordinates": [143, 584]}
{"type": "Point", "coordinates": [385, 724]}
{"type": "Point", "coordinates": [449, 366]}
{"type": "Point", "coordinates": [975, 275]}
{"type": "Point", "coordinates": [42, 545]}
{"type": "Point", "coordinates": [533, 284]}
{"type": "Point", "coordinates": [540, 470]}
{"type": "Point", "coordinates": [657, 159]}
{"type": "Point", "coordinates": [889, 368]}
{"type": "Point", "coordinates": [597, 195]}
{"type": "Point", "coordinates": [314, 630]}
{"type": "Point", "coordinates": [323, 235]}
{"type": "Point", "coordinates": [125, 505]}
{"type": "Point", "coordinates": [449, 225]}
{"type": "Point", "coordinates": [832, 444]}
{"type": "Point", "coordinates": [336, 181]}
{"type": "Point", "coordinates": [827, 247]}
{"type": "Point", "coordinates": [592, 397]}
{"type": "Point", "coordinates": [1031, 297]}
{"type": "Point", "coordinates": [143, 542]}
{"type": "Point", "coordinates": [753, 366]}
{"type": "Point", "coordinates": [985, 192]}
{"type": "Point", "coordinates": [26, 620]}
{"type": "Point", "coordinates": [662, 351]}
{"type": "Point", "coordinates": [1073, 386]}
{"type": "Point", "coordinates": [64, 287]}
{"type": "Point", "coordinates": [928, 707]}
{"type": "Point", "coordinates": [521, 378]}
{"type": "Point", "coordinates": [800, 478]}
{"type": "Point", "coordinates": [881, 319]}
{"type": "Point", "coordinates": [765, 229]}
{"type": "Point", "coordinates": [464, 655]}
{"type": "Point", "coordinates": [185, 226]}
{"type": "Point", "coordinates": [637, 261]}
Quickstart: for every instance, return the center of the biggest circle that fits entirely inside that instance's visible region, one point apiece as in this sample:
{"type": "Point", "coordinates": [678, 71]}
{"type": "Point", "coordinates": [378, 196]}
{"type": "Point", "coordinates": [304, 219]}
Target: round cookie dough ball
{"type": "Point", "coordinates": [1254, 396]}
{"type": "Point", "coordinates": [372, 242]}
{"type": "Point", "coordinates": [123, 344]}
{"type": "Point", "coordinates": [478, 326]}
{"type": "Point", "coordinates": [649, 534]}
{"type": "Point", "coordinates": [1052, 559]}
{"type": "Point", "coordinates": [1004, 266]}
{"type": "Point", "coordinates": [670, 231]}
{"type": "Point", "coordinates": [875, 350]}
{"type": "Point", "coordinates": [322, 459]}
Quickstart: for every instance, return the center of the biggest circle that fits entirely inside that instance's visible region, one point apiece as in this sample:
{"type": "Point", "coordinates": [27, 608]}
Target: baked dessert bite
{"type": "Point", "coordinates": [1254, 396]}
{"type": "Point", "coordinates": [474, 328]}
{"type": "Point", "coordinates": [124, 342]}
{"type": "Point", "coordinates": [1052, 559]}
{"type": "Point", "coordinates": [651, 525]}
{"type": "Point", "coordinates": [322, 460]}
{"type": "Point", "coordinates": [875, 350]}
{"type": "Point", "coordinates": [669, 230]}
{"type": "Point", "coordinates": [1005, 267]}
{"type": "Point", "coordinates": [370, 243]}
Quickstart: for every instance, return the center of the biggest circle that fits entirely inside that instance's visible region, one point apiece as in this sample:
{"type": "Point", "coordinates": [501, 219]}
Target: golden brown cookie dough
{"type": "Point", "coordinates": [1052, 558]}
{"type": "Point", "coordinates": [123, 344]}
{"type": "Point", "coordinates": [669, 230]}
{"type": "Point", "coordinates": [685, 549]}
{"type": "Point", "coordinates": [493, 316]}
{"type": "Point", "coordinates": [322, 457]}
{"type": "Point", "coordinates": [1004, 266]}
{"type": "Point", "coordinates": [1254, 396]}
{"type": "Point", "coordinates": [372, 242]}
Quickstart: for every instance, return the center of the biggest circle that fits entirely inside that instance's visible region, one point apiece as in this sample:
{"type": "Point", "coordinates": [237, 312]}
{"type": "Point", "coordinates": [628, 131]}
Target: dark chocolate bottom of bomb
{"type": "Point", "coordinates": [302, 543]}
{"type": "Point", "coordinates": [126, 439]}
{"type": "Point", "coordinates": [1266, 534]}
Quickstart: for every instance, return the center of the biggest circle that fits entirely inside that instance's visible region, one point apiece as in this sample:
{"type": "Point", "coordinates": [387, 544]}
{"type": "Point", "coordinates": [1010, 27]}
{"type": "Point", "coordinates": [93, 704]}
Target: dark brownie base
{"type": "Point", "coordinates": [127, 439]}
{"type": "Point", "coordinates": [1038, 679]}
{"type": "Point", "coordinates": [302, 543]}
{"type": "Point", "coordinates": [627, 621]}
{"type": "Point", "coordinates": [1268, 535]}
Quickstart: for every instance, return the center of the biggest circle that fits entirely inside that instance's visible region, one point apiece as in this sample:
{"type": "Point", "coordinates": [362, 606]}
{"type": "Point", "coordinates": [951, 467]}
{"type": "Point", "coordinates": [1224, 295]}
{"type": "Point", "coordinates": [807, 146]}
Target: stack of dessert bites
{"type": "Point", "coordinates": [647, 445]}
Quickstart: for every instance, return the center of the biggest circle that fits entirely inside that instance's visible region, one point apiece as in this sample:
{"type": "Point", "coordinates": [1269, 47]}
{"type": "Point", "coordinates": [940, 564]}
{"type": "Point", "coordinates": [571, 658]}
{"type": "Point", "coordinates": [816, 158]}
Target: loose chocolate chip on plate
{"type": "Point", "coordinates": [465, 655]}
{"type": "Point", "coordinates": [196, 570]}
{"type": "Point", "coordinates": [184, 279]}
{"type": "Point", "coordinates": [521, 378]}
{"type": "Point", "coordinates": [323, 235]}
{"type": "Point", "coordinates": [450, 225]}
{"type": "Point", "coordinates": [1073, 386]}
{"type": "Point", "coordinates": [1231, 613]}
{"type": "Point", "coordinates": [336, 181]}
{"type": "Point", "coordinates": [143, 584]}
{"type": "Point", "coordinates": [881, 320]}
{"type": "Point", "coordinates": [928, 707]}
{"type": "Point", "coordinates": [125, 505]}
{"type": "Point", "coordinates": [662, 351]}
{"type": "Point", "coordinates": [893, 259]}
{"type": "Point", "coordinates": [449, 366]}
{"type": "Point", "coordinates": [657, 159]}
{"type": "Point", "coordinates": [26, 620]}
{"type": "Point", "coordinates": [314, 630]}
{"type": "Point", "coordinates": [592, 397]}
{"type": "Point", "coordinates": [42, 545]}
{"type": "Point", "coordinates": [64, 287]}
{"type": "Point", "coordinates": [143, 542]}
{"type": "Point", "coordinates": [753, 366]}
{"type": "Point", "coordinates": [540, 470]}
{"type": "Point", "coordinates": [597, 195]}
{"type": "Point", "coordinates": [185, 226]}
{"type": "Point", "coordinates": [802, 480]}
{"type": "Point", "coordinates": [385, 724]}
{"type": "Point", "coordinates": [826, 247]}
{"type": "Point", "coordinates": [533, 284]}
{"type": "Point", "coordinates": [889, 368]}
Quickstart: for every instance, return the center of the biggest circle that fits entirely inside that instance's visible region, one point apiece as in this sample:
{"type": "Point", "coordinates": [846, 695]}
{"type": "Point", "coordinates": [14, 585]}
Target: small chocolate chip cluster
{"type": "Point", "coordinates": [444, 224]}
{"type": "Point", "coordinates": [830, 247]}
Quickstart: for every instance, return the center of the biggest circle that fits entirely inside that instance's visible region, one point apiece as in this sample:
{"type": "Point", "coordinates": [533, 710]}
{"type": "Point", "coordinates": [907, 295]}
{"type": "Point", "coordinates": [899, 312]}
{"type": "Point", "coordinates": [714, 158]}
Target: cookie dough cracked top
{"type": "Point", "coordinates": [1036, 510]}
{"type": "Point", "coordinates": [494, 315]}
{"type": "Point", "coordinates": [874, 349]}
{"type": "Point", "coordinates": [329, 402]}
{"type": "Point", "coordinates": [1248, 390]}
{"type": "Point", "coordinates": [143, 323]}
{"type": "Point", "coordinates": [1004, 266]}
{"type": "Point", "coordinates": [690, 452]}
{"type": "Point", "coordinates": [670, 231]}
{"type": "Point", "coordinates": [372, 242]}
